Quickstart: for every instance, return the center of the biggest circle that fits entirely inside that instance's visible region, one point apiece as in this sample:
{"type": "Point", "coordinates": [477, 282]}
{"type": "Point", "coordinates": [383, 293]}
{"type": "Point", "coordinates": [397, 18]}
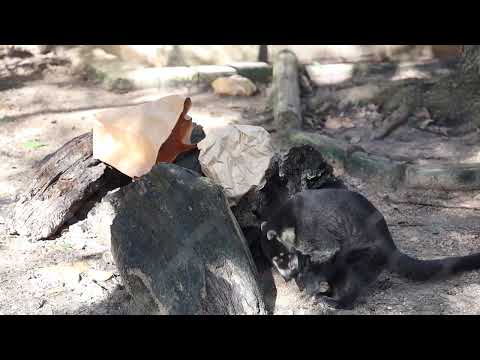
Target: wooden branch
{"type": "Point", "coordinates": [397, 118]}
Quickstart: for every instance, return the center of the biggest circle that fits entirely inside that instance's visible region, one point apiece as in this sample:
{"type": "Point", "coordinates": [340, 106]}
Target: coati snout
{"type": "Point", "coordinates": [286, 260]}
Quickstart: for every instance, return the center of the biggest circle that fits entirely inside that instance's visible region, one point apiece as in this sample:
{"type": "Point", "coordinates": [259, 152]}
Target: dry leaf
{"type": "Point", "coordinates": [338, 123]}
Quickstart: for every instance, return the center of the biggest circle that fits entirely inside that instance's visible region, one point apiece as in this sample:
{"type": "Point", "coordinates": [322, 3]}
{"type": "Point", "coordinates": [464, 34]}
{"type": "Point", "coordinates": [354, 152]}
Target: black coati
{"type": "Point", "coordinates": [337, 236]}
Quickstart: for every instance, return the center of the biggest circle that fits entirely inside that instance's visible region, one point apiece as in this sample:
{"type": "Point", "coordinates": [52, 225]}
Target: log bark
{"type": "Point", "coordinates": [179, 249]}
{"type": "Point", "coordinates": [67, 183]}
{"type": "Point", "coordinates": [286, 91]}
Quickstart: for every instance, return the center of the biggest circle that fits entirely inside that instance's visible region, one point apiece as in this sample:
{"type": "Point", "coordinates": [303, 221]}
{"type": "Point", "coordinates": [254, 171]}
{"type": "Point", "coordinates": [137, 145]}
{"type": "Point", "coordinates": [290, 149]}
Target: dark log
{"type": "Point", "coordinates": [66, 184]}
{"type": "Point", "coordinates": [301, 168]}
{"type": "Point", "coordinates": [286, 91]}
{"type": "Point", "coordinates": [178, 247]}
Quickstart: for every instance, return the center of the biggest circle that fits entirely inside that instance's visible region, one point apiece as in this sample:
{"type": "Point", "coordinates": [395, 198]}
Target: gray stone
{"type": "Point", "coordinates": [179, 249]}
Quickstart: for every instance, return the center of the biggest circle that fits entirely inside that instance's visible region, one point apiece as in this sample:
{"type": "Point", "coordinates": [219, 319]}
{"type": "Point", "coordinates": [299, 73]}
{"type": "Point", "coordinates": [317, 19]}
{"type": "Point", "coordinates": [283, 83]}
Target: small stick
{"type": "Point", "coordinates": [418, 203]}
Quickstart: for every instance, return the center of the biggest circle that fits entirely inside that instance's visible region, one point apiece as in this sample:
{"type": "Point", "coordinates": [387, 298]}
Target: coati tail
{"type": "Point", "coordinates": [421, 270]}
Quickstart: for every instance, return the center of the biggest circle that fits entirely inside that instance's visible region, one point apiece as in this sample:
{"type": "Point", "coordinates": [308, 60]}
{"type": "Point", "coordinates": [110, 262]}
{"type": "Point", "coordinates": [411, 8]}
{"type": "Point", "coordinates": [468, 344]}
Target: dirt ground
{"type": "Point", "coordinates": [75, 274]}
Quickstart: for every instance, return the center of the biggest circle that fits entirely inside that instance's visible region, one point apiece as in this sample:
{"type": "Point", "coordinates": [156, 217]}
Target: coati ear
{"type": "Point", "coordinates": [293, 262]}
{"type": "Point", "coordinates": [262, 226]}
{"type": "Point", "coordinates": [271, 234]}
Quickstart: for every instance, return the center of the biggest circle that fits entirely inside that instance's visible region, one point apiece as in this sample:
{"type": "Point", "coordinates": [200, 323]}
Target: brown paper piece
{"type": "Point", "coordinates": [236, 157]}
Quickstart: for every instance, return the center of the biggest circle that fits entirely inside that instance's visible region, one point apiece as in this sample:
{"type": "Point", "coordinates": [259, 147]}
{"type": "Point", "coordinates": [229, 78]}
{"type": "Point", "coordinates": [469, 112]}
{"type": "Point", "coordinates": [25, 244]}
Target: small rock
{"type": "Point", "coordinates": [234, 85]}
{"type": "Point", "coordinates": [338, 123]}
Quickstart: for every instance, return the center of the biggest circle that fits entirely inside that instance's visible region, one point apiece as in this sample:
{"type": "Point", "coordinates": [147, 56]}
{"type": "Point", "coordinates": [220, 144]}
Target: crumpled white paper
{"type": "Point", "coordinates": [129, 138]}
{"type": "Point", "coordinates": [236, 157]}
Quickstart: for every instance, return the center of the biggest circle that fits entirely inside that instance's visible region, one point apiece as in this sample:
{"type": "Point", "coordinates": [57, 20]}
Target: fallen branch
{"type": "Point", "coordinates": [420, 203]}
{"type": "Point", "coordinates": [392, 122]}
{"type": "Point", "coordinates": [406, 225]}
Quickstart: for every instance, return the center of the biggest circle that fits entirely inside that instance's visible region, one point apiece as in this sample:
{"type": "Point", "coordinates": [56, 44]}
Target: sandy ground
{"type": "Point", "coordinates": [76, 275]}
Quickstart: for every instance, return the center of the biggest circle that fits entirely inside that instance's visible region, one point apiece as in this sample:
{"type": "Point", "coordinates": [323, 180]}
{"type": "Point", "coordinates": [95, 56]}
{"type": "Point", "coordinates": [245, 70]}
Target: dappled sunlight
{"type": "Point", "coordinates": [475, 158]}
{"type": "Point", "coordinates": [329, 74]}
{"type": "Point", "coordinates": [403, 73]}
{"type": "Point", "coordinates": [418, 175]}
{"type": "Point", "coordinates": [210, 121]}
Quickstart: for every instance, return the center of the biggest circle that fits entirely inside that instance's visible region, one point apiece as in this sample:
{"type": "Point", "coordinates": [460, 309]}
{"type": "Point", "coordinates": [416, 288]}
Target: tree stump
{"type": "Point", "coordinates": [178, 247]}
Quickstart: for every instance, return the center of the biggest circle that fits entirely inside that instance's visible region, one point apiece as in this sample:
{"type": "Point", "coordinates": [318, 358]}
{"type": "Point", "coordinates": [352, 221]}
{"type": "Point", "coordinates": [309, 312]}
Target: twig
{"type": "Point", "coordinates": [97, 283]}
{"type": "Point", "coordinates": [418, 203]}
{"type": "Point", "coordinates": [405, 225]}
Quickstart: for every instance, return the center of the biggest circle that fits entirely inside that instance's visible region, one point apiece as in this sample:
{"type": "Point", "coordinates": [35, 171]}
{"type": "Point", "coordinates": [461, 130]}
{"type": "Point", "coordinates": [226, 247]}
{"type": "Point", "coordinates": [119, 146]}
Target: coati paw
{"type": "Point", "coordinates": [334, 303]}
{"type": "Point", "coordinates": [326, 300]}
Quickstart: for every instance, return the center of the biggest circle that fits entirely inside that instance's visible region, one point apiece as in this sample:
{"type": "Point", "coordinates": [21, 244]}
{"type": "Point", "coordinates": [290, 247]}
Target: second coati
{"type": "Point", "coordinates": [337, 237]}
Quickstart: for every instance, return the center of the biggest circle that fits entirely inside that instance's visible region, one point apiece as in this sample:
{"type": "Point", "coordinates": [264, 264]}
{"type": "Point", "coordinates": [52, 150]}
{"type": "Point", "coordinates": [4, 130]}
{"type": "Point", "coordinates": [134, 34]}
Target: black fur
{"type": "Point", "coordinates": [356, 234]}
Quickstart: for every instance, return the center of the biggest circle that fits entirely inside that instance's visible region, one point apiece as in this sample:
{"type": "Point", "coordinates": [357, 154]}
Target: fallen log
{"type": "Point", "coordinates": [286, 91]}
{"type": "Point", "coordinates": [67, 181]}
